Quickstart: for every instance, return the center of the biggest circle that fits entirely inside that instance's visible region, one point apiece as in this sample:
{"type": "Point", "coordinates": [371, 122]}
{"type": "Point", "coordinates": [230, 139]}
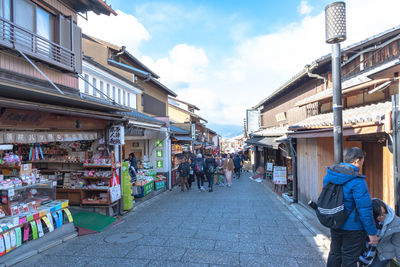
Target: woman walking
{"type": "Point", "coordinates": [228, 167]}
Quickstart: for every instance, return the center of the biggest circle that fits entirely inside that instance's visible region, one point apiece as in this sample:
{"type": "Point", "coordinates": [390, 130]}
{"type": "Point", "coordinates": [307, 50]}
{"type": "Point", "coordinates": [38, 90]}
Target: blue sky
{"type": "Point", "coordinates": [226, 56]}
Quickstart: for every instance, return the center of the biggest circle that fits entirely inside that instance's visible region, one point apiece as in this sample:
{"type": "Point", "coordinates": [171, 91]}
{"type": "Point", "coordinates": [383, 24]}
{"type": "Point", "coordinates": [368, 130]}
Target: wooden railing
{"type": "Point", "coordinates": [35, 46]}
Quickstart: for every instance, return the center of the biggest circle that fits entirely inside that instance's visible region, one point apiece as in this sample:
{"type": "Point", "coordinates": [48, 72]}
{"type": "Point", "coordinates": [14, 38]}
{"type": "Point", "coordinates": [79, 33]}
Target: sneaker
{"type": "Point", "coordinates": [199, 190]}
{"type": "Point", "coordinates": [202, 188]}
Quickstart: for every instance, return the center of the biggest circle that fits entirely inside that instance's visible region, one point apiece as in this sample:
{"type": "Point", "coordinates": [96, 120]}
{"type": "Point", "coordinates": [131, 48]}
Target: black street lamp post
{"type": "Point", "coordinates": [335, 30]}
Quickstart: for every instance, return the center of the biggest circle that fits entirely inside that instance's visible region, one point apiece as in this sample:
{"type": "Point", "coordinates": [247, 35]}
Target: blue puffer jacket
{"type": "Point", "coordinates": [355, 190]}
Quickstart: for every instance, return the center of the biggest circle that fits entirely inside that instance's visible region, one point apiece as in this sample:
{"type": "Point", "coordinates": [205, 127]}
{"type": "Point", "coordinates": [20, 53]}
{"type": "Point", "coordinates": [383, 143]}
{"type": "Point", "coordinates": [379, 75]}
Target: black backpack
{"type": "Point", "coordinates": [210, 165]}
{"type": "Point", "coordinates": [330, 211]}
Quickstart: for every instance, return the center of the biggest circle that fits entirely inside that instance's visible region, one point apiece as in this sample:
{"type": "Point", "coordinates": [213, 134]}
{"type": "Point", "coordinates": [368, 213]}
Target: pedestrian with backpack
{"type": "Point", "coordinates": [210, 165]}
{"type": "Point", "coordinates": [184, 171]}
{"type": "Point", "coordinates": [352, 218]}
{"type": "Point", "coordinates": [198, 167]}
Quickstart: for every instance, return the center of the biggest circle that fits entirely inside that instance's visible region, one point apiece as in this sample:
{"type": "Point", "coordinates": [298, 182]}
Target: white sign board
{"type": "Point", "coordinates": [116, 135]}
{"type": "Point", "coordinates": [270, 167]}
{"type": "Point", "coordinates": [279, 175]}
{"type": "Point", "coordinates": [252, 120]}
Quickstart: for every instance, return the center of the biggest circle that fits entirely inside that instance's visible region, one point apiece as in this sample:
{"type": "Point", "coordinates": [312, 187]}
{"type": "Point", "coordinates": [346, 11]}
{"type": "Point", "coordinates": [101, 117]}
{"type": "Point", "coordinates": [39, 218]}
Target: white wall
{"type": "Point", "coordinates": [110, 81]}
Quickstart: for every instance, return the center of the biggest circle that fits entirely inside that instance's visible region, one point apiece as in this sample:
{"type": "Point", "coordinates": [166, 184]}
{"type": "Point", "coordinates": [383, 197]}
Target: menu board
{"type": "Point", "coordinates": [279, 175]}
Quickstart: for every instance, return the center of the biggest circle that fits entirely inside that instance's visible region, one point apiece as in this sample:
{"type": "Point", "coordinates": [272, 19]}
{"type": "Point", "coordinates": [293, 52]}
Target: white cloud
{"type": "Point", "coordinates": [120, 30]}
{"type": "Point", "coordinates": [304, 8]}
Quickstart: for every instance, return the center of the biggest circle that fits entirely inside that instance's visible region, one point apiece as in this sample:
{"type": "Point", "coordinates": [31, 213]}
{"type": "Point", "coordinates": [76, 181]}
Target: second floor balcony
{"type": "Point", "coordinates": [35, 46]}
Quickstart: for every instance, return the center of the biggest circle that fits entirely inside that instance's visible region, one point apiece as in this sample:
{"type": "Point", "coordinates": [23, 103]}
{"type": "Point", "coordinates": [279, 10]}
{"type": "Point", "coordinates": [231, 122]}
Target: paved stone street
{"type": "Point", "coordinates": [245, 225]}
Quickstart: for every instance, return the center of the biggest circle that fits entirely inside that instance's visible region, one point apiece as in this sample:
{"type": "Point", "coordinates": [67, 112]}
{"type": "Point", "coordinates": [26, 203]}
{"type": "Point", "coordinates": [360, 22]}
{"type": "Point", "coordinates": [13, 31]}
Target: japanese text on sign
{"type": "Point", "coordinates": [116, 135]}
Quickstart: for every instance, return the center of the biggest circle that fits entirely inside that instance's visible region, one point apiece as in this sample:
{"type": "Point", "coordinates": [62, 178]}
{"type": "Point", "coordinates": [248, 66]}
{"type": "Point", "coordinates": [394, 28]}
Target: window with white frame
{"type": "Point", "coordinates": [94, 83]}
{"type": "Point", "coordinates": [119, 96]}
{"type": "Point", "coordinates": [86, 82]}
{"type": "Point", "coordinates": [129, 99]}
{"type": "Point", "coordinates": [123, 98]}
{"type": "Point", "coordinates": [113, 94]}
{"type": "Point", "coordinates": [102, 89]}
{"type": "Point", "coordinates": [108, 89]}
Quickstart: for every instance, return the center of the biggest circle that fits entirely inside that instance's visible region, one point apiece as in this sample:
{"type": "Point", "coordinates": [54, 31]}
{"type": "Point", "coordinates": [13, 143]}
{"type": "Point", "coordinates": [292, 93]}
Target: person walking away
{"type": "Point", "coordinates": [228, 167]}
{"type": "Point", "coordinates": [210, 166]}
{"type": "Point", "coordinates": [347, 242]}
{"type": "Point", "coordinates": [132, 165]}
{"type": "Point", "coordinates": [220, 171]}
{"type": "Point", "coordinates": [388, 225]}
{"type": "Point", "coordinates": [191, 173]}
{"type": "Point", "coordinates": [198, 167]}
{"type": "Point", "coordinates": [184, 171]}
{"type": "Point", "coordinates": [236, 162]}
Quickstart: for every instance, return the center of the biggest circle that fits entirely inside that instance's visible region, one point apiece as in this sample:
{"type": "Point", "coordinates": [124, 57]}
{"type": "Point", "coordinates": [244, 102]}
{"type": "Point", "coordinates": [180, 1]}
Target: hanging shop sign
{"type": "Point", "coordinates": [116, 135]}
{"type": "Point", "coordinates": [45, 137]}
{"type": "Point", "coordinates": [279, 175]}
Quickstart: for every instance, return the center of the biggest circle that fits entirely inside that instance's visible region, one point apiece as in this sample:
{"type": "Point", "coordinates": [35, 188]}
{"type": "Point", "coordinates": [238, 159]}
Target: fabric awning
{"type": "Point", "coordinates": [183, 138]}
{"type": "Point", "coordinates": [177, 130]}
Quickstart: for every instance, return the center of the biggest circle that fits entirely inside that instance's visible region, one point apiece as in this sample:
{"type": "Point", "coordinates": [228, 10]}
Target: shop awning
{"type": "Point", "coordinates": [22, 104]}
{"type": "Point", "coordinates": [138, 118]}
{"type": "Point", "coordinates": [183, 138]}
{"type": "Point", "coordinates": [177, 130]}
{"type": "Point", "coordinates": [264, 142]}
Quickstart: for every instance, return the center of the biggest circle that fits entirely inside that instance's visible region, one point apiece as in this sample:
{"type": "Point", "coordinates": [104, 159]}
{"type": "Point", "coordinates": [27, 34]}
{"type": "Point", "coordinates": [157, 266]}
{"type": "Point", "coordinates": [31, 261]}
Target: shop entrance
{"type": "Point", "coordinates": [373, 168]}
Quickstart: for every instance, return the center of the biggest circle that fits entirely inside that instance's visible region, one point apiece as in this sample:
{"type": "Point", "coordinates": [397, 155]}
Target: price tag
{"type": "Point", "coordinates": [39, 227]}
{"type": "Point", "coordinates": [48, 223]}
{"type": "Point", "coordinates": [34, 230]}
{"type": "Point", "coordinates": [13, 239]}
{"type": "Point", "coordinates": [70, 219]}
{"type": "Point", "coordinates": [26, 232]}
{"type": "Point", "coordinates": [2, 246]}
{"type": "Point", "coordinates": [18, 236]}
{"type": "Point", "coordinates": [7, 241]}
{"type": "Point", "coordinates": [11, 192]}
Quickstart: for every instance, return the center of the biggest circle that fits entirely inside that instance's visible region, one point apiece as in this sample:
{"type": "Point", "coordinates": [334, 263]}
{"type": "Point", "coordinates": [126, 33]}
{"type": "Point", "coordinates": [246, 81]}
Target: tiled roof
{"type": "Point", "coordinates": [273, 131]}
{"type": "Point", "coordinates": [370, 113]}
{"type": "Point", "coordinates": [263, 141]}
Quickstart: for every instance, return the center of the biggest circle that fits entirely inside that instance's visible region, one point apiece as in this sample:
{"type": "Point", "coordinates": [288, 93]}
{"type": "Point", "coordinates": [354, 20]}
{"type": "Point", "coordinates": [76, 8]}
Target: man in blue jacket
{"type": "Point", "coordinates": [348, 241]}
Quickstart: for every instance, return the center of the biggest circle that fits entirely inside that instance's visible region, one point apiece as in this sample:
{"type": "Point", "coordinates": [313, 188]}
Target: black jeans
{"type": "Point", "coordinates": [346, 247]}
{"type": "Point", "coordinates": [210, 178]}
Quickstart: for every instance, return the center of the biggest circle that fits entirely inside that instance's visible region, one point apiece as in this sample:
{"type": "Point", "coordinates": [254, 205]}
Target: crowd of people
{"type": "Point", "coordinates": [218, 169]}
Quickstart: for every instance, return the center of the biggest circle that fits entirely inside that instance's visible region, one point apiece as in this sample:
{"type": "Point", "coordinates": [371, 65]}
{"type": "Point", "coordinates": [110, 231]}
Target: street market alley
{"type": "Point", "coordinates": [245, 225]}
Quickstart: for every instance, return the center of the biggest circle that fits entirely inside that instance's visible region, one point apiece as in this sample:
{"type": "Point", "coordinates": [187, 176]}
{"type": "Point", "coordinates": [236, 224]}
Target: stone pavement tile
{"type": "Point", "coordinates": [249, 229]}
{"type": "Point", "coordinates": [276, 238]}
{"type": "Point", "coordinates": [151, 241]}
{"type": "Point", "coordinates": [250, 259]}
{"type": "Point", "coordinates": [106, 250]}
{"type": "Point", "coordinates": [311, 263]}
{"type": "Point", "coordinates": [66, 249]}
{"type": "Point", "coordinates": [214, 235]}
{"type": "Point", "coordinates": [291, 251]}
{"type": "Point", "coordinates": [120, 262]}
{"type": "Point", "coordinates": [200, 226]}
{"type": "Point", "coordinates": [175, 264]}
{"type": "Point", "coordinates": [51, 260]}
{"type": "Point", "coordinates": [191, 243]}
{"type": "Point", "coordinates": [212, 257]}
{"type": "Point", "coordinates": [230, 228]}
{"type": "Point", "coordinates": [156, 253]}
{"type": "Point", "coordinates": [90, 239]}
{"type": "Point", "coordinates": [165, 232]}
{"type": "Point", "coordinates": [249, 247]}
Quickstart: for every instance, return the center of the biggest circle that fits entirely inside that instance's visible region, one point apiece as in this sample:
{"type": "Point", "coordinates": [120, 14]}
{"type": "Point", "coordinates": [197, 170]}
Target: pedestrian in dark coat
{"type": "Point", "coordinates": [184, 171]}
{"type": "Point", "coordinates": [210, 166]}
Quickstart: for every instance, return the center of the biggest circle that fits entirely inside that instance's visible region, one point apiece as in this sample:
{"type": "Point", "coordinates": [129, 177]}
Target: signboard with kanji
{"type": "Point", "coordinates": [116, 135]}
{"type": "Point", "coordinates": [279, 175]}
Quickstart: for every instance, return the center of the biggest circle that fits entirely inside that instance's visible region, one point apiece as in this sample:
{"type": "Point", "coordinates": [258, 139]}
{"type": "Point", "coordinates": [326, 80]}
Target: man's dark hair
{"type": "Point", "coordinates": [351, 154]}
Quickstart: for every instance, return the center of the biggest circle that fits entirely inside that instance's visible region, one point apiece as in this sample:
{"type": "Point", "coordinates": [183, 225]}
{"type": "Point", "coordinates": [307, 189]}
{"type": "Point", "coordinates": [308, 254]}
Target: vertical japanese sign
{"type": "Point", "coordinates": [116, 135]}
